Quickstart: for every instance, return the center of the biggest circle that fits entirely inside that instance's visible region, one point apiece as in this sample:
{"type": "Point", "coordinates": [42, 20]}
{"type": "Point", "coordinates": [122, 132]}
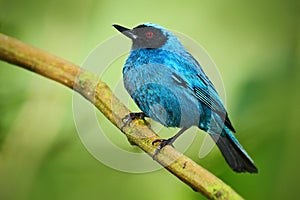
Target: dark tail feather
{"type": "Point", "coordinates": [233, 152]}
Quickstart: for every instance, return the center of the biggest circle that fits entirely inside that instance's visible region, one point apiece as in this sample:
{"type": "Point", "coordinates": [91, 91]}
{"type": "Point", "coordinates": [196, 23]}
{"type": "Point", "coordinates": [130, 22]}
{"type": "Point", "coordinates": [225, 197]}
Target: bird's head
{"type": "Point", "coordinates": [146, 36]}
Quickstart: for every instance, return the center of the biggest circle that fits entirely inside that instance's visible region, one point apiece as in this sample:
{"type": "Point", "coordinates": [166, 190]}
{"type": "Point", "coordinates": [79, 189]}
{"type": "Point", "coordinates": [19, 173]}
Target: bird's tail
{"type": "Point", "coordinates": [233, 152]}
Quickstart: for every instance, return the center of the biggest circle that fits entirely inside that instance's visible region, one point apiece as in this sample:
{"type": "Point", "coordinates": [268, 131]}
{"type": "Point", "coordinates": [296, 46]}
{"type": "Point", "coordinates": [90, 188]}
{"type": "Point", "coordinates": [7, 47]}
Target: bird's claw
{"type": "Point", "coordinates": [162, 144]}
{"type": "Point", "coordinates": [132, 116]}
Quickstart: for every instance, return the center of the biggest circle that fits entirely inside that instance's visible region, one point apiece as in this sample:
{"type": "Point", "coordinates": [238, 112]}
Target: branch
{"type": "Point", "coordinates": [99, 94]}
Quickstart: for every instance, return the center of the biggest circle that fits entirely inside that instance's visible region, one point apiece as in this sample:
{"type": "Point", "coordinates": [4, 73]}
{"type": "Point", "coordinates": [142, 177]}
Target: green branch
{"type": "Point", "coordinates": [99, 94]}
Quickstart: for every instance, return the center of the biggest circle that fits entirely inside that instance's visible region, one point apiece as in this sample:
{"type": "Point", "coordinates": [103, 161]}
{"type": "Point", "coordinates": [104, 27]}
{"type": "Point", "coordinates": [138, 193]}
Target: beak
{"type": "Point", "coordinates": [125, 31]}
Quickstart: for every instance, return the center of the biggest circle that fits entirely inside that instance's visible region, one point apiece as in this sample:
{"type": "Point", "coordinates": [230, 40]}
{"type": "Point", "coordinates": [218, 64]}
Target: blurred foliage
{"type": "Point", "coordinates": [255, 44]}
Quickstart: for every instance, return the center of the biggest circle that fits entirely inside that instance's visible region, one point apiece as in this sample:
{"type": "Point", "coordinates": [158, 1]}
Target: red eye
{"type": "Point", "coordinates": [149, 35]}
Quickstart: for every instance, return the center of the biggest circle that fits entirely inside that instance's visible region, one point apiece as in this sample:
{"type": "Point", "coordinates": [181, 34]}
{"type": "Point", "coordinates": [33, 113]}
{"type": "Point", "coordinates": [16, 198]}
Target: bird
{"type": "Point", "coordinates": [169, 86]}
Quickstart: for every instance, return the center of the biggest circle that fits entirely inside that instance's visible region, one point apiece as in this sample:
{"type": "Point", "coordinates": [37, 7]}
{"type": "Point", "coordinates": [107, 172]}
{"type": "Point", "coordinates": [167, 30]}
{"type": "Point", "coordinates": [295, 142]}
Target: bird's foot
{"type": "Point", "coordinates": [169, 141]}
{"type": "Point", "coordinates": [132, 116]}
{"type": "Point", "coordinates": [163, 143]}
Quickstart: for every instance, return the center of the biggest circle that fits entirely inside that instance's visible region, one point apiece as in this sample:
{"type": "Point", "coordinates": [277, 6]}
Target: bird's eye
{"type": "Point", "coordinates": [149, 35]}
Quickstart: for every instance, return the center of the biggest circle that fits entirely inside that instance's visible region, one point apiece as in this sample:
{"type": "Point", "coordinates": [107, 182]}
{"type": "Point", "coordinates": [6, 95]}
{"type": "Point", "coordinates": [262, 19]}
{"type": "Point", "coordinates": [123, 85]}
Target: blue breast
{"type": "Point", "coordinates": [151, 78]}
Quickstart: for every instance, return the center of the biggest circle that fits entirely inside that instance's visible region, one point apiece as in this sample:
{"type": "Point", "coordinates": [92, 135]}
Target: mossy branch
{"type": "Point", "coordinates": [99, 94]}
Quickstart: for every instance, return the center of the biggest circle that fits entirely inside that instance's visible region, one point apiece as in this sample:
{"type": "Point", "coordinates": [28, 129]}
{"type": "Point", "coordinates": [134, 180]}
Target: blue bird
{"type": "Point", "coordinates": [169, 86]}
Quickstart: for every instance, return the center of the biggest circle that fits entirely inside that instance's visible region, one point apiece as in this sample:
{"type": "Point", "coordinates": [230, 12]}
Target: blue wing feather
{"type": "Point", "coordinates": [202, 87]}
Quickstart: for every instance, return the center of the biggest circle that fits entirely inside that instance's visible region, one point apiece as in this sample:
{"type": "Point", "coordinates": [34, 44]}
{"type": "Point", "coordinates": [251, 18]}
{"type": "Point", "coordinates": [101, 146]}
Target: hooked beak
{"type": "Point", "coordinates": [125, 31]}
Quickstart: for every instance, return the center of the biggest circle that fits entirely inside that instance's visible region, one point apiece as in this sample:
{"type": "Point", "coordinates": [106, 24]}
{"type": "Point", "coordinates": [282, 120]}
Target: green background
{"type": "Point", "coordinates": [255, 45]}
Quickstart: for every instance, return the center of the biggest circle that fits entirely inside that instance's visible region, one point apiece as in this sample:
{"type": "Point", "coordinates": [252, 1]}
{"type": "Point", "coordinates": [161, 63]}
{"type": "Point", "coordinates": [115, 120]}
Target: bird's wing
{"type": "Point", "coordinates": [196, 80]}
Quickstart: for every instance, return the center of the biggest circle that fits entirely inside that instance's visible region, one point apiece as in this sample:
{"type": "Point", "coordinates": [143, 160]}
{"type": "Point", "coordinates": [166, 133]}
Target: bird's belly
{"type": "Point", "coordinates": [159, 95]}
{"type": "Point", "coordinates": [171, 106]}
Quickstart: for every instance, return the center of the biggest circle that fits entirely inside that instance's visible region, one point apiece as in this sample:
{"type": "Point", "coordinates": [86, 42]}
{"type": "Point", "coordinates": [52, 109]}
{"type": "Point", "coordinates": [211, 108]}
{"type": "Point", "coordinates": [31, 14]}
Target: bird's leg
{"type": "Point", "coordinates": [132, 116]}
{"type": "Point", "coordinates": [165, 142]}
